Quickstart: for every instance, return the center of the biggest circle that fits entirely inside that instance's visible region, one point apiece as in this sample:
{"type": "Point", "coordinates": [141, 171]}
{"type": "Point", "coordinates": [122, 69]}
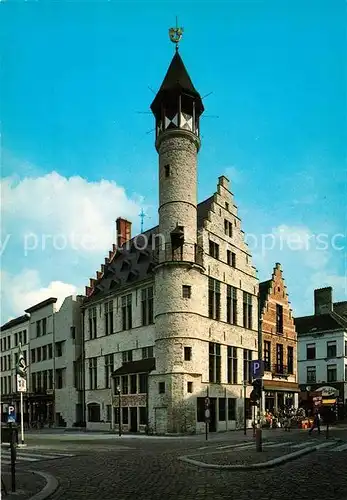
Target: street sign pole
{"type": "Point", "coordinates": [21, 419]}
{"type": "Point", "coordinates": [207, 413]}
{"type": "Point", "coordinates": [258, 434]}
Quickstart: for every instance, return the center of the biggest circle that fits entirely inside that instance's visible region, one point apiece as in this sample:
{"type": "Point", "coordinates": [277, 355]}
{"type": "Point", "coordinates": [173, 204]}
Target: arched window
{"type": "Point", "coordinates": [93, 412]}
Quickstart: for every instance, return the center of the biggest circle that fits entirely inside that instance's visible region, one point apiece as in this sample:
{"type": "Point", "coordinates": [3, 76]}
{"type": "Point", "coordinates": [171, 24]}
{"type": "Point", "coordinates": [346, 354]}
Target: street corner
{"type": "Point", "coordinates": [245, 457]}
{"type": "Point", "coordinates": [28, 485]}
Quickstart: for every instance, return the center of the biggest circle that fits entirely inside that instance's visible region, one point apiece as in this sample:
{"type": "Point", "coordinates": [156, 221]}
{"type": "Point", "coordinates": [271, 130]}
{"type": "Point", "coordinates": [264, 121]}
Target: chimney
{"type": "Point", "coordinates": [223, 181]}
{"type": "Point", "coordinates": [123, 231]}
{"type": "Point", "coordinates": [323, 300]}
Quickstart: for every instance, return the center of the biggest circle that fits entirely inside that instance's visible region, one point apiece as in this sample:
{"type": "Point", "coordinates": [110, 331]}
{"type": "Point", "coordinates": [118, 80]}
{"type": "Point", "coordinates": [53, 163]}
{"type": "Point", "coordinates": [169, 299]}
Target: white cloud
{"type": "Point", "coordinates": [56, 212]}
{"type": "Point", "coordinates": [234, 175]}
{"type": "Point", "coordinates": [25, 290]}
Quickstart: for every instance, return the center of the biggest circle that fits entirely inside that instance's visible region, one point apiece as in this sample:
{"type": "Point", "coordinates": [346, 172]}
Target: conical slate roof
{"type": "Point", "coordinates": [176, 80]}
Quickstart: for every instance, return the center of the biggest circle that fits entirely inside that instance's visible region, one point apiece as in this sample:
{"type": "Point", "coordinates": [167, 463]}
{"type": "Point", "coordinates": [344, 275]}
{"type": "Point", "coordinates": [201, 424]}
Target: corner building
{"type": "Point", "coordinates": [173, 312]}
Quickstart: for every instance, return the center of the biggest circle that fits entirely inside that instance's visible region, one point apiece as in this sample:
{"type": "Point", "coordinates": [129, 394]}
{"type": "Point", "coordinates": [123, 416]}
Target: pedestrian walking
{"type": "Point", "coordinates": [316, 422]}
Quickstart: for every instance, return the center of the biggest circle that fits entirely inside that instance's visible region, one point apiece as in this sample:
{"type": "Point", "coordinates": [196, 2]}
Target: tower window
{"type": "Point", "coordinates": [190, 387]}
{"type": "Point", "coordinates": [186, 291]}
{"type": "Point", "coordinates": [161, 387]}
{"type": "Point", "coordinates": [187, 354]}
{"type": "Point", "coordinates": [167, 170]}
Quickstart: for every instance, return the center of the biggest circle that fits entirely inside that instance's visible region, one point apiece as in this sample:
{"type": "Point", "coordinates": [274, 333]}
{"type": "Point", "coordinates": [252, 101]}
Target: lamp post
{"type": "Point", "coordinates": [244, 407]}
{"type": "Point", "coordinates": [119, 410]}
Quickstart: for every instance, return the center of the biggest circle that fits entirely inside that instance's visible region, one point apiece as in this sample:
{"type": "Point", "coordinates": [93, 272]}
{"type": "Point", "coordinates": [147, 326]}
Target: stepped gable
{"type": "Point", "coordinates": [266, 288]}
{"type": "Point", "coordinates": [134, 261]}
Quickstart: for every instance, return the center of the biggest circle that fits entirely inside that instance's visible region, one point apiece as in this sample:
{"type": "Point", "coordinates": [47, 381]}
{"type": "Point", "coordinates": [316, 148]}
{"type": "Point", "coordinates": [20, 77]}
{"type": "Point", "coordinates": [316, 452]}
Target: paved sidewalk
{"type": "Point", "coordinates": [28, 484]}
{"type": "Point", "coordinates": [245, 456]}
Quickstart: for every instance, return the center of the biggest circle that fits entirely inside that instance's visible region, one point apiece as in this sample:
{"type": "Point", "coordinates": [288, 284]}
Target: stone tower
{"type": "Point", "coordinates": [179, 279]}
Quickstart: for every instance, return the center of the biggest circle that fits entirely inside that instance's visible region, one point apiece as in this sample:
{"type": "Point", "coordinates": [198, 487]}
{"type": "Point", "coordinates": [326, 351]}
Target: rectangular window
{"type": "Point", "coordinates": [133, 384]}
{"type": "Point", "coordinates": [147, 306]}
{"type": "Point", "coordinates": [93, 412]}
{"type": "Point", "coordinates": [127, 356]}
{"type": "Point", "coordinates": [50, 351]}
{"type": "Point", "coordinates": [232, 365]}
{"type": "Point", "coordinates": [143, 377]}
{"type": "Point", "coordinates": [231, 305]}
{"type": "Point", "coordinates": [346, 348]}
{"type": "Point", "coordinates": [247, 366]}
{"type": "Point", "coordinates": [229, 257]}
{"type": "Point", "coordinates": [331, 349]}
{"type": "Point", "coordinates": [214, 363]}
{"type": "Point", "coordinates": [125, 384]}
{"type": "Point", "coordinates": [200, 409]}
{"type": "Point", "coordinates": [190, 387]}
{"type": "Point", "coordinates": [73, 332]}
{"type": "Point", "coordinates": [345, 373]}
{"type": "Point", "coordinates": [15, 339]}
{"type": "Point", "coordinates": [279, 318]}
{"type": "Point", "coordinates": [59, 349]}
{"type": "Point", "coordinates": [279, 359]}
{"type": "Point", "coordinates": [108, 413]}
{"type": "Point", "coordinates": [33, 355]}
{"type": "Point", "coordinates": [147, 352]}
{"type": "Point", "coordinates": [247, 310]}
{"type": "Point", "coordinates": [221, 409]}
{"type": "Point", "coordinates": [143, 415]}
{"type": "Point", "coordinates": [214, 249]}
{"type": "Point", "coordinates": [38, 328]}
{"type": "Point", "coordinates": [108, 314]}
{"type": "Point", "coordinates": [290, 360]}
{"type": "Point", "coordinates": [331, 373]}
{"type": "Point", "coordinates": [267, 355]}
{"type": "Point", "coordinates": [44, 353]}
{"type": "Point", "coordinates": [50, 379]}
{"type": "Point", "coordinates": [59, 378]}
{"type": "Point", "coordinates": [24, 336]}
{"type": "Point", "coordinates": [161, 387]}
{"type": "Point", "coordinates": [93, 373]}
{"type": "Point", "coordinates": [125, 414]}
{"type": "Point", "coordinates": [187, 354]}
{"type": "Point", "coordinates": [214, 299]}
{"type": "Point", "coordinates": [167, 170]}
{"type": "Point", "coordinates": [127, 318]}
{"type": "Point", "coordinates": [44, 380]}
{"type": "Point", "coordinates": [228, 228]}
{"type": "Point", "coordinates": [92, 323]}
{"type": "Point", "coordinates": [310, 351]}
{"type": "Point", "coordinates": [44, 326]}
{"type": "Point", "coordinates": [233, 259]}
{"type": "Point", "coordinates": [186, 291]}
{"type": "Point", "coordinates": [38, 354]}
{"type": "Point", "coordinates": [109, 363]}
{"type": "Point", "coordinates": [9, 365]}
{"type": "Point", "coordinates": [232, 409]}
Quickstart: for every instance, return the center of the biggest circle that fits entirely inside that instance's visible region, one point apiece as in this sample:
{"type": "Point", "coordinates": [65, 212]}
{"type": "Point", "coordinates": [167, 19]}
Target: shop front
{"type": "Point", "coordinates": [279, 395]}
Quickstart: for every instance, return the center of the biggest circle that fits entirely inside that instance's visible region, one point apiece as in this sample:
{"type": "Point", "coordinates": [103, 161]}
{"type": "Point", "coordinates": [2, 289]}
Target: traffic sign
{"type": "Point", "coordinates": [11, 416]}
{"type": "Point", "coordinates": [21, 384]}
{"type": "Point", "coordinates": [207, 414]}
{"type": "Point", "coordinates": [207, 402]}
{"type": "Point", "coordinates": [257, 367]}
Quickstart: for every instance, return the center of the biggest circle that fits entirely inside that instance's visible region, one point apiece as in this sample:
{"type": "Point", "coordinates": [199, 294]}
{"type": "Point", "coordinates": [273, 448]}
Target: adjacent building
{"type": "Point", "coordinates": [172, 316]}
{"type": "Point", "coordinates": [52, 347]}
{"type": "Point", "coordinates": [12, 334]}
{"type": "Point", "coordinates": [280, 379]}
{"type": "Point", "coordinates": [322, 351]}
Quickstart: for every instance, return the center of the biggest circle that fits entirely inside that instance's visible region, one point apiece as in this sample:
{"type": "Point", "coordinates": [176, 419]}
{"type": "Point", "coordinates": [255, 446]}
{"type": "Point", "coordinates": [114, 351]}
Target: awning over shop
{"type": "Point", "coordinates": [274, 385]}
{"type": "Point", "coordinates": [140, 366]}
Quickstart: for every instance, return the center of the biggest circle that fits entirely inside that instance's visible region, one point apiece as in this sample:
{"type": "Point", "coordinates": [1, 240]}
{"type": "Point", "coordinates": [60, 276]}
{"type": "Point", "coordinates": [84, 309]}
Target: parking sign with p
{"type": "Point", "coordinates": [257, 368]}
{"type": "Point", "coordinates": [11, 417]}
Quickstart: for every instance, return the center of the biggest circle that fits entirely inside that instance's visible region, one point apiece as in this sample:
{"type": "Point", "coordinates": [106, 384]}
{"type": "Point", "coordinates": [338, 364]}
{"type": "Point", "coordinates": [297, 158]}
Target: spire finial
{"type": "Point", "coordinates": [142, 215]}
{"type": "Point", "coordinates": [175, 34]}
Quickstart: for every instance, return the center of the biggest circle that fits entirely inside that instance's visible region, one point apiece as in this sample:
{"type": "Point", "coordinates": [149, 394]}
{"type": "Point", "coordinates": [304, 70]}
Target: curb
{"type": "Point", "coordinates": [261, 465]}
{"type": "Point", "coordinates": [50, 487]}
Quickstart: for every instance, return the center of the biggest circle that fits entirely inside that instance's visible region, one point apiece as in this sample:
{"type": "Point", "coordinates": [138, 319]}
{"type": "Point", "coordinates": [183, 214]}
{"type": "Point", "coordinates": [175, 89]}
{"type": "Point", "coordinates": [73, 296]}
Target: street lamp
{"type": "Point", "coordinates": [118, 391]}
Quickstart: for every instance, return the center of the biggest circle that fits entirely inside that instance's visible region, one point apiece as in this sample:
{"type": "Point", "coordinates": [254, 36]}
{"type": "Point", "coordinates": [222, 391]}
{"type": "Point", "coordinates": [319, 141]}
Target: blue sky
{"type": "Point", "coordinates": [78, 151]}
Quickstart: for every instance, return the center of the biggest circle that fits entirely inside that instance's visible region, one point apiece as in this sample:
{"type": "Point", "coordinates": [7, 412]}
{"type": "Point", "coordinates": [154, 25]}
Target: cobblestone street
{"type": "Point", "coordinates": [149, 469]}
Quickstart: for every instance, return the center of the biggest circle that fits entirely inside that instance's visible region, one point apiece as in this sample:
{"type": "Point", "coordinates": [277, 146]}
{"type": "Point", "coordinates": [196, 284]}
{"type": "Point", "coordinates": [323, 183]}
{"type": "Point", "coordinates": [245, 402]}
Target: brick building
{"type": "Point", "coordinates": [172, 313]}
{"type": "Point", "coordinates": [279, 344]}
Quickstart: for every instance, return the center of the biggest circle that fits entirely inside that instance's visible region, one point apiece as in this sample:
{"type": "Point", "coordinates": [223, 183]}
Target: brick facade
{"type": "Point", "coordinates": [280, 379]}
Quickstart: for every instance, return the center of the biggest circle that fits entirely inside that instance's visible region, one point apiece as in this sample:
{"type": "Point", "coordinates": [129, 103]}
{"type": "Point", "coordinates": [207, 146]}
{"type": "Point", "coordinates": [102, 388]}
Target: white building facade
{"type": "Point", "coordinates": [173, 313]}
{"type": "Point", "coordinates": [12, 334]}
{"type": "Point", "coordinates": [52, 347]}
{"type": "Point", "coordinates": [322, 346]}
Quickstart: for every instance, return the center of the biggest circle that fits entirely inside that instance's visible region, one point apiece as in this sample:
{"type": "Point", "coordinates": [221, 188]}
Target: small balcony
{"type": "Point", "coordinates": [280, 371]}
{"type": "Point", "coordinates": [186, 252]}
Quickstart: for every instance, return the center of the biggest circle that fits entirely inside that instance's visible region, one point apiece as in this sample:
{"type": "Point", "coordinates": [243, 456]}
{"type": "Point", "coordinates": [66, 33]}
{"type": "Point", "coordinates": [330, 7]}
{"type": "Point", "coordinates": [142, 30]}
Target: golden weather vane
{"type": "Point", "coordinates": [175, 34]}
